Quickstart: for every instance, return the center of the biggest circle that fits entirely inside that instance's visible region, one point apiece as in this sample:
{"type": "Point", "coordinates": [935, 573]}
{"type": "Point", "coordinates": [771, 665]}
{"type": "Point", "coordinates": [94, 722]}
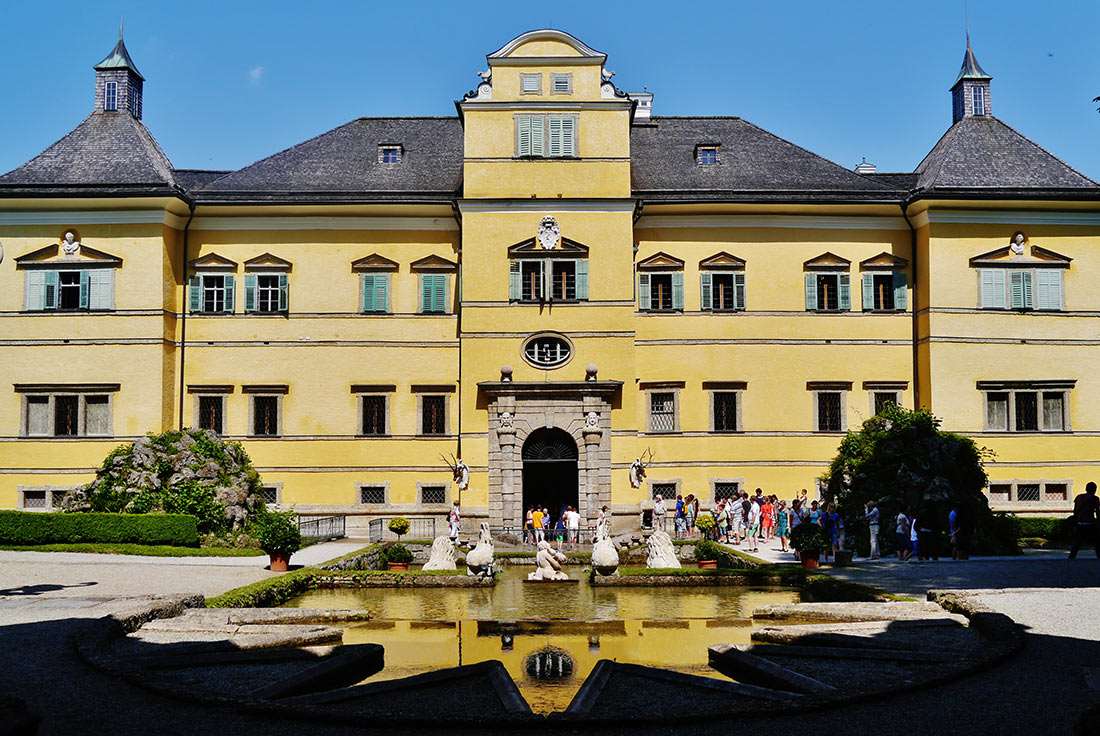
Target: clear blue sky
{"type": "Point", "coordinates": [233, 81]}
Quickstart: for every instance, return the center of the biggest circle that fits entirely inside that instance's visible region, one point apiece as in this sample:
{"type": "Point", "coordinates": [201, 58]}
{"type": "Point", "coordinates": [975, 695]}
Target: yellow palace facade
{"type": "Point", "coordinates": [548, 285]}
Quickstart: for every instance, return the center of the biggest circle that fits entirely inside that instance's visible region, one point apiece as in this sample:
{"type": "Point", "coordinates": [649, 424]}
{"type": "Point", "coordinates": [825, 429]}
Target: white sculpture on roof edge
{"type": "Point", "coordinates": [443, 554]}
{"type": "Point", "coordinates": [549, 233]}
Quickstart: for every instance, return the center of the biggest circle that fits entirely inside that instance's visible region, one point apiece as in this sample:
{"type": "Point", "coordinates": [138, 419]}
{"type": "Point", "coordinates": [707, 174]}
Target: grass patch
{"type": "Point", "coordinates": [390, 573]}
{"type": "Point", "coordinates": [150, 550]}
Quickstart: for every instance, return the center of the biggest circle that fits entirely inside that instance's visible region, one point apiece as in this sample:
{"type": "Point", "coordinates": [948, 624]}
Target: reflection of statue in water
{"type": "Point", "coordinates": [605, 558]}
{"type": "Point", "coordinates": [443, 555]}
{"type": "Point", "coordinates": [549, 564]}
{"type": "Point", "coordinates": [661, 551]}
{"type": "Point", "coordinates": [479, 560]}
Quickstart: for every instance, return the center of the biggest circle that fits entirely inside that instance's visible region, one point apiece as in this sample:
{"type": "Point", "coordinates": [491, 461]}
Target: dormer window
{"type": "Point", "coordinates": [561, 84]}
{"type": "Point", "coordinates": [110, 96]}
{"type": "Point", "coordinates": [135, 104]}
{"type": "Point", "coordinates": [979, 100]}
{"type": "Point", "coordinates": [389, 154]}
{"type": "Point", "coordinates": [706, 155]}
{"type": "Point", "coordinates": [530, 84]}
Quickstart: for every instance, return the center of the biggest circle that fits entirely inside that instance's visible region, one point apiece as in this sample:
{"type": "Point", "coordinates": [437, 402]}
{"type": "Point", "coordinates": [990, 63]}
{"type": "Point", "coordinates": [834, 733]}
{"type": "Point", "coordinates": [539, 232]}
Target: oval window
{"type": "Point", "coordinates": [547, 351]}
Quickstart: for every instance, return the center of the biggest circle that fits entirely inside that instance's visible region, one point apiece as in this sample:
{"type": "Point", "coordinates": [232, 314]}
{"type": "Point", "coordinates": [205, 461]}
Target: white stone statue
{"type": "Point", "coordinates": [443, 555]}
{"type": "Point", "coordinates": [548, 233]}
{"type": "Point", "coordinates": [592, 420]}
{"type": "Point", "coordinates": [605, 558]}
{"type": "Point", "coordinates": [661, 551]}
{"type": "Point", "coordinates": [70, 244]}
{"type": "Point", "coordinates": [479, 560]}
{"type": "Point", "coordinates": [1017, 243]}
{"type": "Point", "coordinates": [549, 562]}
{"type": "Point", "coordinates": [506, 419]}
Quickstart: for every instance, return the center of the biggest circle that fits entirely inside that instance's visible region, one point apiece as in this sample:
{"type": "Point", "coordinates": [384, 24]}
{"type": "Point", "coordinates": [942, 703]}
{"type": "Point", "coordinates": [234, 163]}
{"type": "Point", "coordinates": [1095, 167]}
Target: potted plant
{"type": "Point", "coordinates": [809, 539]}
{"type": "Point", "coordinates": [705, 524]}
{"type": "Point", "coordinates": [707, 553]}
{"type": "Point", "coordinates": [277, 532]}
{"type": "Point", "coordinates": [397, 556]}
{"type": "Point", "coordinates": [398, 525]}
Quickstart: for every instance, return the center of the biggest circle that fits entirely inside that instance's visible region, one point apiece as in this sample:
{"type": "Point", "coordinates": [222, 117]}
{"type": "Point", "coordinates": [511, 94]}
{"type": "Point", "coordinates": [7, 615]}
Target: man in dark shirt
{"type": "Point", "coordinates": [1086, 507]}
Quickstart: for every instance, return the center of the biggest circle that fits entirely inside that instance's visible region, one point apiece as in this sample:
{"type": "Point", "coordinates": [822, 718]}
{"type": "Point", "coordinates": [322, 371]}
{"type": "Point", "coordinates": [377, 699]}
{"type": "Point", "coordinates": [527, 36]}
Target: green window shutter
{"type": "Point", "coordinates": [546, 275]}
{"type": "Point", "coordinates": [523, 135]}
{"type": "Point", "coordinates": [34, 295]}
{"type": "Point", "coordinates": [250, 292]}
{"type": "Point", "coordinates": [739, 291]}
{"type": "Point", "coordinates": [1019, 289]}
{"type": "Point", "coordinates": [811, 292]}
{"type": "Point", "coordinates": [382, 292]}
{"type": "Point", "coordinates": [425, 293]}
{"type": "Point", "coordinates": [845, 291]}
{"type": "Point", "coordinates": [1048, 289]}
{"type": "Point", "coordinates": [1029, 296]}
{"type": "Point", "coordinates": [569, 136]}
{"type": "Point", "coordinates": [868, 292]}
{"type": "Point", "coordinates": [901, 291]}
{"type": "Point", "coordinates": [554, 123]}
{"type": "Point", "coordinates": [194, 293]}
{"type": "Point", "coordinates": [678, 291]}
{"type": "Point", "coordinates": [644, 298]}
{"type": "Point", "coordinates": [284, 293]}
{"type": "Point", "coordinates": [538, 135]}
{"type": "Point", "coordinates": [581, 273]}
{"type": "Point", "coordinates": [366, 288]}
{"type": "Point", "coordinates": [49, 291]}
{"type": "Point", "coordinates": [230, 301]}
{"type": "Point", "coordinates": [439, 294]}
{"type": "Point", "coordinates": [515, 281]}
{"type": "Point", "coordinates": [85, 289]}
{"type": "Point", "coordinates": [706, 301]}
{"type": "Point", "coordinates": [993, 288]}
{"type": "Point", "coordinates": [101, 288]}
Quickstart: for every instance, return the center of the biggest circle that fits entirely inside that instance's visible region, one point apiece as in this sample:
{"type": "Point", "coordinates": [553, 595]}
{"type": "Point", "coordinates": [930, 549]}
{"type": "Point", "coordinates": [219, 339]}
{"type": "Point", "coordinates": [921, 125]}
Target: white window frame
{"type": "Point", "coordinates": [82, 413]}
{"type": "Point", "coordinates": [670, 500]}
{"type": "Point", "coordinates": [420, 486]}
{"type": "Point", "coordinates": [700, 150]}
{"type": "Point", "coordinates": [990, 297]}
{"type": "Point", "coordinates": [1010, 413]}
{"type": "Point", "coordinates": [1014, 484]}
{"type": "Point", "coordinates": [384, 149]}
{"type": "Point", "coordinates": [977, 100]}
{"type": "Point", "coordinates": [556, 77]}
{"type": "Point", "coordinates": [278, 488]}
{"type": "Point", "coordinates": [544, 149]}
{"type": "Point", "coordinates": [97, 289]}
{"type": "Point", "coordinates": [110, 96]}
{"type": "Point", "coordinates": [739, 482]}
{"type": "Point", "coordinates": [530, 83]}
{"type": "Point", "coordinates": [839, 302]}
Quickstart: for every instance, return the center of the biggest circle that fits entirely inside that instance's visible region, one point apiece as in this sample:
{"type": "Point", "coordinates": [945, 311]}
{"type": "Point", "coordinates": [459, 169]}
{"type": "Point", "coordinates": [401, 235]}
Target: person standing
{"type": "Point", "coordinates": [536, 525]}
{"type": "Point", "coordinates": [1086, 509]}
{"type": "Point", "coordinates": [767, 518]}
{"type": "Point", "coordinates": [782, 524]}
{"type": "Point", "coordinates": [573, 522]}
{"type": "Point", "coordinates": [828, 523]}
{"type": "Point", "coordinates": [872, 516]}
{"type": "Point", "coordinates": [691, 512]}
{"type": "Point", "coordinates": [529, 526]}
{"type": "Point", "coordinates": [678, 520]}
{"type": "Point", "coordinates": [928, 538]}
{"type": "Point", "coordinates": [901, 535]}
{"type": "Point", "coordinates": [754, 525]}
{"type": "Point", "coordinates": [659, 512]}
{"type": "Point", "coordinates": [454, 520]}
{"type": "Point", "coordinates": [722, 520]}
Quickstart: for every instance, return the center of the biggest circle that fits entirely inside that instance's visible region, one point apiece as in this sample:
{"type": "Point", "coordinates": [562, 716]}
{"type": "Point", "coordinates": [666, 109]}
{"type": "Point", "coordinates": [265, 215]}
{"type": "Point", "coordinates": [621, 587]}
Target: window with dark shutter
{"type": "Point", "coordinates": [265, 410]}
{"type": "Point", "coordinates": [374, 415]}
{"type": "Point", "coordinates": [433, 414]}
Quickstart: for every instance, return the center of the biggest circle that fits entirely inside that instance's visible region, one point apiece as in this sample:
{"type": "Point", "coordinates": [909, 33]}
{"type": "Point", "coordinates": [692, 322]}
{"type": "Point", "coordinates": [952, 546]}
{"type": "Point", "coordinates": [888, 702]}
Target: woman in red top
{"type": "Point", "coordinates": [767, 518]}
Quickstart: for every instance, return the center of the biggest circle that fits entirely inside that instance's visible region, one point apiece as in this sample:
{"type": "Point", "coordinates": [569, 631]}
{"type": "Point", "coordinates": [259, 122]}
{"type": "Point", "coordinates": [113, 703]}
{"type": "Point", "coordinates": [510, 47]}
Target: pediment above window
{"type": "Point", "coordinates": [1033, 257]}
{"type": "Point", "coordinates": [884, 262]}
{"type": "Point", "coordinates": [213, 262]}
{"type": "Point", "coordinates": [52, 256]}
{"type": "Point", "coordinates": [661, 262]}
{"type": "Point", "coordinates": [722, 262]}
{"type": "Point", "coordinates": [267, 262]}
{"type": "Point", "coordinates": [827, 262]}
{"type": "Point", "coordinates": [374, 263]}
{"type": "Point", "coordinates": [531, 248]}
{"type": "Point", "coordinates": [433, 264]}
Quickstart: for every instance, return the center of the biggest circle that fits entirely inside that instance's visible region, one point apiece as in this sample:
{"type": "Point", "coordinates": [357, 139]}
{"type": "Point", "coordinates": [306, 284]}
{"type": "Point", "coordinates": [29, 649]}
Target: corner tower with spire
{"type": "Point", "coordinates": [970, 93]}
{"type": "Point", "coordinates": [118, 82]}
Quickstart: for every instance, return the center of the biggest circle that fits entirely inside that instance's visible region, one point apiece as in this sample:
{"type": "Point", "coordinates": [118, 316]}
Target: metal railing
{"type": "Point", "coordinates": [378, 530]}
{"type": "Point", "coordinates": [519, 535]}
{"type": "Point", "coordinates": [322, 527]}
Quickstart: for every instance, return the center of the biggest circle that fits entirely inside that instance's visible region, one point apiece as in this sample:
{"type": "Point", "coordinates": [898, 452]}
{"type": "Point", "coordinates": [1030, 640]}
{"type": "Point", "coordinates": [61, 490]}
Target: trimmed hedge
{"type": "Point", "coordinates": [1046, 528]}
{"type": "Point", "coordinates": [28, 527]}
{"type": "Point", "coordinates": [270, 592]}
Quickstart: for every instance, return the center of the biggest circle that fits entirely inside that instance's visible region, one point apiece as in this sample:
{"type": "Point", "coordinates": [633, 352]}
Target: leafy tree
{"type": "Point", "coordinates": [901, 459]}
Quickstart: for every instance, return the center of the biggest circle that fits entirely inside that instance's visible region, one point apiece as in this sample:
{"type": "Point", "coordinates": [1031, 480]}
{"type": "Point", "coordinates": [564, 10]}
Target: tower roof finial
{"type": "Point", "coordinates": [971, 69]}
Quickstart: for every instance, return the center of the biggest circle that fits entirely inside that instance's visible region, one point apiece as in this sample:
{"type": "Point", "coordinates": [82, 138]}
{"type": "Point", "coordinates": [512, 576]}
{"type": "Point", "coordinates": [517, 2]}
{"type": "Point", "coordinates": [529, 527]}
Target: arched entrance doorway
{"type": "Point", "coordinates": [550, 470]}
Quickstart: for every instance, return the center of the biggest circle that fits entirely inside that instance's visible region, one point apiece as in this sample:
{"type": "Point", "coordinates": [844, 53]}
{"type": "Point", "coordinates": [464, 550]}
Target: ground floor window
{"type": "Point", "coordinates": [1026, 411]}
{"type": "Point", "coordinates": [726, 491]}
{"type": "Point", "coordinates": [433, 495]}
{"type": "Point", "coordinates": [66, 415]}
{"type": "Point", "coordinates": [664, 490]}
{"type": "Point", "coordinates": [829, 411]}
{"type": "Point", "coordinates": [1029, 491]}
{"type": "Point", "coordinates": [372, 494]}
{"type": "Point", "coordinates": [47, 498]}
{"type": "Point", "coordinates": [265, 416]}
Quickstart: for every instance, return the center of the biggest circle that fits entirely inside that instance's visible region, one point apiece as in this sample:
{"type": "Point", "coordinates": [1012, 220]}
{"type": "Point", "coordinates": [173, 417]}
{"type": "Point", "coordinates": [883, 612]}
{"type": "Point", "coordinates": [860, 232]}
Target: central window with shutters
{"type": "Point", "coordinates": [885, 292]}
{"type": "Point", "coordinates": [828, 292]}
{"type": "Point", "coordinates": [722, 292]}
{"type": "Point", "coordinates": [661, 292]}
{"type": "Point", "coordinates": [433, 293]}
{"type": "Point", "coordinates": [546, 279]}
{"type": "Point", "coordinates": [211, 293]}
{"type": "Point", "coordinates": [266, 293]}
{"type": "Point", "coordinates": [91, 289]}
{"type": "Point", "coordinates": [546, 136]}
{"type": "Point", "coordinates": [1001, 288]}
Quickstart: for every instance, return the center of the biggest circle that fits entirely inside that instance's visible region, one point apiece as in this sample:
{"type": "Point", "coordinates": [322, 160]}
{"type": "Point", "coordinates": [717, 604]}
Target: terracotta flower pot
{"type": "Point", "coordinates": [808, 562]}
{"type": "Point", "coordinates": [279, 563]}
{"type": "Point", "coordinates": [708, 564]}
{"type": "Point", "coordinates": [397, 566]}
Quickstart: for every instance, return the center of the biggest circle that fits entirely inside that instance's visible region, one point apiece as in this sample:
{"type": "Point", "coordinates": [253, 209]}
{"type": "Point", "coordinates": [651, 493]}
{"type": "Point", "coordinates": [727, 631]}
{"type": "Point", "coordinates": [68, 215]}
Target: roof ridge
{"type": "Point", "coordinates": [944, 140]}
{"type": "Point", "coordinates": [52, 145]}
{"type": "Point", "coordinates": [157, 155]}
{"type": "Point", "coordinates": [806, 150]}
{"type": "Point", "coordinates": [1048, 153]}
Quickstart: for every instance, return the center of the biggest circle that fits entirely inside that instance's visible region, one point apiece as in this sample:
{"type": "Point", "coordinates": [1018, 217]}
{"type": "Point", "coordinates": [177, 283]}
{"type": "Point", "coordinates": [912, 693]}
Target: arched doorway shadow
{"type": "Point", "coordinates": [550, 471]}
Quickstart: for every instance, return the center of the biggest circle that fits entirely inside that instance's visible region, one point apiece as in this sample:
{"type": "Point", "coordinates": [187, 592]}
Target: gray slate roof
{"type": "Point", "coordinates": [982, 153]}
{"type": "Point", "coordinates": [194, 178]}
{"type": "Point", "coordinates": [110, 152]}
{"type": "Point", "coordinates": [342, 165]}
{"type": "Point", "coordinates": [753, 165]}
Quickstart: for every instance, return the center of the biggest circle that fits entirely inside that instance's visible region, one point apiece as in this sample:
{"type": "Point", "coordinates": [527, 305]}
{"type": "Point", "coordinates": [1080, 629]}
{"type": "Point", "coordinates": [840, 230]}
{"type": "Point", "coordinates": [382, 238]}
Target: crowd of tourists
{"type": "Point", "coordinates": [540, 526]}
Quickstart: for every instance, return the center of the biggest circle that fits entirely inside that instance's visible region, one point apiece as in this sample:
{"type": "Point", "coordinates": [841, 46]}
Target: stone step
{"type": "Point", "coordinates": [240, 616]}
{"type": "Point", "coordinates": [779, 651]}
{"type": "Point", "coordinates": [943, 635]}
{"type": "Point", "coordinates": [747, 668]}
{"type": "Point", "coordinates": [353, 665]}
{"type": "Point", "coordinates": [856, 612]}
{"type": "Point", "coordinates": [244, 637]}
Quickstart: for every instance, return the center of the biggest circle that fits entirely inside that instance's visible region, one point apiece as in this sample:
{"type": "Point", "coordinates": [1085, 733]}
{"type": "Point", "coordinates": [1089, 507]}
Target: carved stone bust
{"type": "Point", "coordinates": [1017, 243]}
{"type": "Point", "coordinates": [549, 233]}
{"type": "Point", "coordinates": [505, 420]}
{"type": "Point", "coordinates": [70, 244]}
{"type": "Point", "coordinates": [591, 420]}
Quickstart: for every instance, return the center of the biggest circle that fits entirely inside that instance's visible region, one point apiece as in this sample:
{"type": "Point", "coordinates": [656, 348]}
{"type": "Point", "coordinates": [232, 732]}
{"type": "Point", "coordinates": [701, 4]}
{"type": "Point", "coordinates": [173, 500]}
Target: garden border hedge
{"type": "Point", "coordinates": [29, 528]}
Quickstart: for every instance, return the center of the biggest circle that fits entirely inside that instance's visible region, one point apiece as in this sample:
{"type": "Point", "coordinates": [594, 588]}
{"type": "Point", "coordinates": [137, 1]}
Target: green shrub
{"type": "Point", "coordinates": [396, 553]}
{"type": "Point", "coordinates": [25, 527]}
{"type": "Point", "coordinates": [707, 550]}
{"type": "Point", "coordinates": [269, 592]}
{"type": "Point", "coordinates": [705, 523]}
{"type": "Point", "coordinates": [809, 539]}
{"type": "Point", "coordinates": [1054, 529]}
{"type": "Point", "coordinates": [398, 525]}
{"type": "Point", "coordinates": [277, 532]}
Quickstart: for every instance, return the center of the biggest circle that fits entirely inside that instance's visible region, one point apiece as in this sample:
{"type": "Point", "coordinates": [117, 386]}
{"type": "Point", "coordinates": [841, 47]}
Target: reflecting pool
{"type": "Point", "coordinates": [431, 628]}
